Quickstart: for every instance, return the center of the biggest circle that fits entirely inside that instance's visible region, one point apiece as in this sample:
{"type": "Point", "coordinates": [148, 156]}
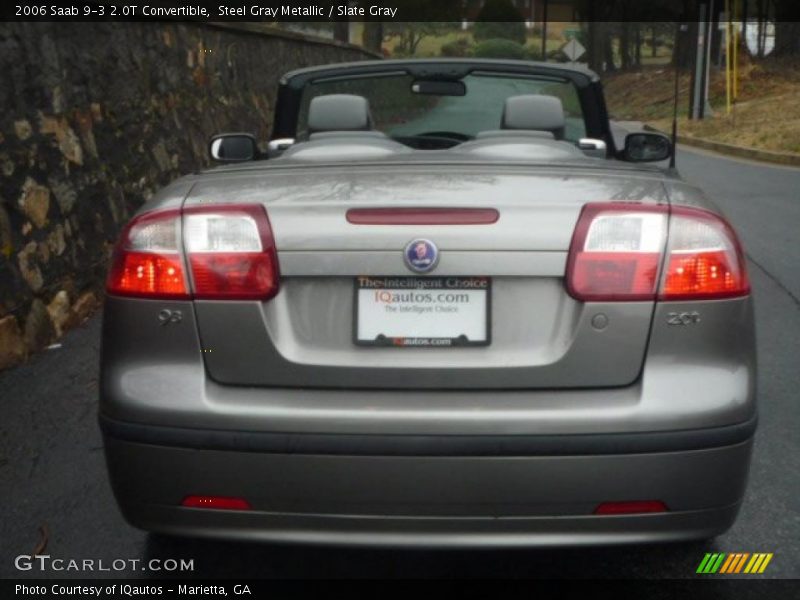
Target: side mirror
{"type": "Point", "coordinates": [233, 147]}
{"type": "Point", "coordinates": [277, 146]}
{"type": "Point", "coordinates": [646, 147]}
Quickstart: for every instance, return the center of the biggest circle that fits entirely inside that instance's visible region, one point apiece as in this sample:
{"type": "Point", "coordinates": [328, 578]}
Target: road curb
{"type": "Point", "coordinates": [780, 158]}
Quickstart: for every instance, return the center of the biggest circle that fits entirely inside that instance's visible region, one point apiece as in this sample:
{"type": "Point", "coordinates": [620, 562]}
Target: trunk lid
{"type": "Point", "coordinates": [540, 336]}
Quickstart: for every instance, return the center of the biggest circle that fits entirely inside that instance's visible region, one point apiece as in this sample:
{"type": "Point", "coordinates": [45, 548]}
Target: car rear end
{"type": "Point", "coordinates": [574, 363]}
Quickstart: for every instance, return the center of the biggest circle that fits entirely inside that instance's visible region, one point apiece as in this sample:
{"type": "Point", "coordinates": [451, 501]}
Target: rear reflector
{"type": "Point", "coordinates": [422, 216]}
{"type": "Point", "coordinates": [631, 508]}
{"type": "Point", "coordinates": [216, 502]}
{"type": "Point", "coordinates": [617, 254]}
{"type": "Point", "coordinates": [229, 249]}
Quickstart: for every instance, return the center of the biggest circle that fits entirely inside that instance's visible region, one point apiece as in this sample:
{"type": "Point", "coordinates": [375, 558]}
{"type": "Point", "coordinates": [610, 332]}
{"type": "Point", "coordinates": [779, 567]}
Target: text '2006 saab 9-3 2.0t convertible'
{"type": "Point", "coordinates": [446, 310]}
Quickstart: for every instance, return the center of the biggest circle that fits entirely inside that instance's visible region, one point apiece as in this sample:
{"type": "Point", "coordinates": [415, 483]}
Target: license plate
{"type": "Point", "coordinates": [422, 311]}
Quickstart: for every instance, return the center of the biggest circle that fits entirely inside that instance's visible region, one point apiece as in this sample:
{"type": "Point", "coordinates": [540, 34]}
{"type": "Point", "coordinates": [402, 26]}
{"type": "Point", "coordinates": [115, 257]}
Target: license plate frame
{"type": "Point", "coordinates": [469, 285]}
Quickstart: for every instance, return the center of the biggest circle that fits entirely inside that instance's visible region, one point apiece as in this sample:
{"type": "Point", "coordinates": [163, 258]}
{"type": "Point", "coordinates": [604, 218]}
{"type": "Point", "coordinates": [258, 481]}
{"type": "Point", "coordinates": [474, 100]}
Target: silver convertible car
{"type": "Point", "coordinates": [440, 307]}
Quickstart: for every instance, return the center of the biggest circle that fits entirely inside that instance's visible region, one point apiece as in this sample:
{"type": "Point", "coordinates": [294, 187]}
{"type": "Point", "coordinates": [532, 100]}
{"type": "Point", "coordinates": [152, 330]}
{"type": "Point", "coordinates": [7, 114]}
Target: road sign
{"type": "Point", "coordinates": [573, 49]}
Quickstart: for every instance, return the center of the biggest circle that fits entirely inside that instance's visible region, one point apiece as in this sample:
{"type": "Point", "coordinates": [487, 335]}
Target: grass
{"type": "Point", "coordinates": [431, 45]}
{"type": "Point", "coordinates": [766, 114]}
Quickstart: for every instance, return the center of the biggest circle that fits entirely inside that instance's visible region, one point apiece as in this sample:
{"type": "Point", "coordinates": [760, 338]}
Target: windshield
{"type": "Point", "coordinates": [401, 113]}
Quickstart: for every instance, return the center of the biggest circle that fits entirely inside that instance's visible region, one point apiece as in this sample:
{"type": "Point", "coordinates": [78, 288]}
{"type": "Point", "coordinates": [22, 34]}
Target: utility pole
{"type": "Point", "coordinates": [680, 27]}
{"type": "Point", "coordinates": [699, 87]}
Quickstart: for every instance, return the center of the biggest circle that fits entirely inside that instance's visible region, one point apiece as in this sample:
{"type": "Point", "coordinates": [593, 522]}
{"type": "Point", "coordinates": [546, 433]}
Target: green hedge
{"type": "Point", "coordinates": [457, 48]}
{"type": "Point", "coordinates": [499, 48]}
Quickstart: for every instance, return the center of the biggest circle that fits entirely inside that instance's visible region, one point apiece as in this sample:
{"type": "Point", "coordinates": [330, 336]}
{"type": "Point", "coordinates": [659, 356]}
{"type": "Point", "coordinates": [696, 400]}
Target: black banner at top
{"type": "Point", "coordinates": [532, 11]}
{"type": "Point", "coordinates": [236, 10]}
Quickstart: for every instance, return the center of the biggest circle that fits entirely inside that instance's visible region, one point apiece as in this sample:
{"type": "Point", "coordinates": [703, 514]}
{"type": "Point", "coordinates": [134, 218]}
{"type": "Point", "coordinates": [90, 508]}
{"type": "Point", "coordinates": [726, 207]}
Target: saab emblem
{"type": "Point", "coordinates": [421, 255]}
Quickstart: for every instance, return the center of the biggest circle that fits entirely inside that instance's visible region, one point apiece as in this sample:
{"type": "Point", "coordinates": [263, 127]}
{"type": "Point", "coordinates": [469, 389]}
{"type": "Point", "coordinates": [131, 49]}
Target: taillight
{"type": "Point", "coordinates": [617, 254]}
{"type": "Point", "coordinates": [704, 258]}
{"type": "Point", "coordinates": [147, 259]}
{"type": "Point", "coordinates": [229, 250]}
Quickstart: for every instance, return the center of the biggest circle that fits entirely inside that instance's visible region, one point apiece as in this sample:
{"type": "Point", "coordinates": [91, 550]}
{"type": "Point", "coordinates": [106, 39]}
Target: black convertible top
{"type": "Point", "coordinates": [586, 82]}
{"type": "Point", "coordinates": [439, 66]}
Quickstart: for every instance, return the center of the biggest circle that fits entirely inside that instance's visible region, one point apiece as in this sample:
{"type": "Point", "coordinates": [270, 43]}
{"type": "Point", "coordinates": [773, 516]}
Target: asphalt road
{"type": "Point", "coordinates": [52, 472]}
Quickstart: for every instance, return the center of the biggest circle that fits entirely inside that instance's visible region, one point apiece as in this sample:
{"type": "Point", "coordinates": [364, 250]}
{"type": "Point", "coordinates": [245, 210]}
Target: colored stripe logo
{"type": "Point", "coordinates": [734, 562]}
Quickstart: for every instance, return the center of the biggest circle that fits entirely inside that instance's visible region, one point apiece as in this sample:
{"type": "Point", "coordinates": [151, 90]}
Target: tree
{"type": "Point", "coordinates": [593, 42]}
{"type": "Point", "coordinates": [341, 31]}
{"type": "Point", "coordinates": [372, 36]}
{"type": "Point", "coordinates": [761, 33]}
{"type": "Point", "coordinates": [625, 44]}
{"type": "Point", "coordinates": [433, 18]}
{"type": "Point", "coordinates": [409, 35]}
{"type": "Point", "coordinates": [605, 22]}
{"type": "Point", "coordinates": [638, 40]}
{"type": "Point", "coordinates": [608, 49]}
{"type": "Point", "coordinates": [787, 28]}
{"type": "Point", "coordinates": [499, 19]}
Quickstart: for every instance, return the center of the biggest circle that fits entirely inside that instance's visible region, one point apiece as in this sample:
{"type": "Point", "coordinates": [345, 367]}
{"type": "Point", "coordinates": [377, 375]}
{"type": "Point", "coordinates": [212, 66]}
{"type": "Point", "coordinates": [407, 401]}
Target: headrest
{"type": "Point", "coordinates": [534, 112]}
{"type": "Point", "coordinates": [339, 112]}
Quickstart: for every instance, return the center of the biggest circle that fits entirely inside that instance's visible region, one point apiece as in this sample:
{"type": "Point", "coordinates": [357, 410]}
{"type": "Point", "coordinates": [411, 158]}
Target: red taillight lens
{"type": "Point", "coordinates": [230, 253]}
{"type": "Point", "coordinates": [422, 216]}
{"type": "Point", "coordinates": [615, 275]}
{"type": "Point", "coordinates": [617, 249]}
{"type": "Point", "coordinates": [699, 275]}
{"type": "Point", "coordinates": [147, 259]}
{"type": "Point", "coordinates": [217, 502]}
{"type": "Point", "coordinates": [705, 259]}
{"type": "Point", "coordinates": [631, 508]}
{"type": "Point", "coordinates": [616, 252]}
{"type": "Point", "coordinates": [233, 276]}
{"type": "Point", "coordinates": [143, 274]}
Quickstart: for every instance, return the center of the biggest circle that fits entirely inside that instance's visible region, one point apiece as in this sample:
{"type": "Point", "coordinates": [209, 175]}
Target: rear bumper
{"type": "Point", "coordinates": [409, 532]}
{"type": "Point", "coordinates": [413, 492]}
{"type": "Point", "coordinates": [431, 445]}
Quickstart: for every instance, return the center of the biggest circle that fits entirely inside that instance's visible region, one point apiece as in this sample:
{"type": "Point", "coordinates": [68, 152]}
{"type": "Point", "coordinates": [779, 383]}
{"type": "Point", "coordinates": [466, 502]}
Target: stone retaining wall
{"type": "Point", "coordinates": [95, 118]}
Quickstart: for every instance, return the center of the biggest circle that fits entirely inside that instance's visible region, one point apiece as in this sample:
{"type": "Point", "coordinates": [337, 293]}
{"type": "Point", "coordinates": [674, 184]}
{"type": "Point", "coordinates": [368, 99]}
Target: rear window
{"type": "Point", "coordinates": [399, 112]}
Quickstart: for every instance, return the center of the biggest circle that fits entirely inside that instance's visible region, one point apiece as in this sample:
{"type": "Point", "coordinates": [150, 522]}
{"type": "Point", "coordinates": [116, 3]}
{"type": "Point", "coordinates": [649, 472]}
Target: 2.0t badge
{"type": "Point", "coordinates": [421, 255]}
